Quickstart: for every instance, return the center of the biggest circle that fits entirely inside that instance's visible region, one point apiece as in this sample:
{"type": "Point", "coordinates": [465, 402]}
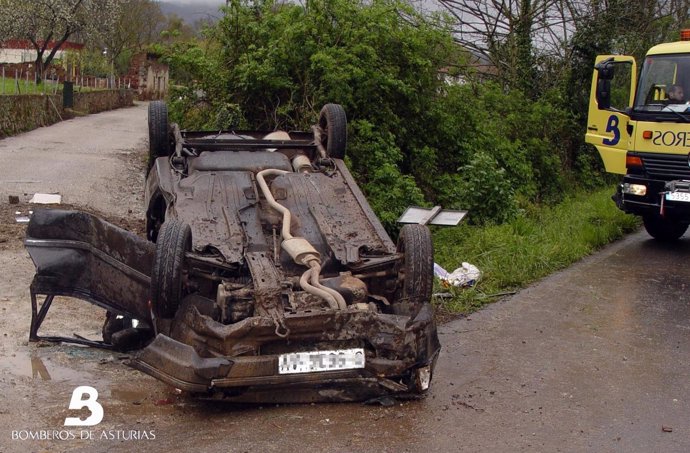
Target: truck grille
{"type": "Point", "coordinates": [666, 166]}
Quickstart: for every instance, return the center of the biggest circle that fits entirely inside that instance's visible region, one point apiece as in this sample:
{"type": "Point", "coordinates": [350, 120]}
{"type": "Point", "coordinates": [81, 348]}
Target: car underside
{"type": "Point", "coordinates": [265, 275]}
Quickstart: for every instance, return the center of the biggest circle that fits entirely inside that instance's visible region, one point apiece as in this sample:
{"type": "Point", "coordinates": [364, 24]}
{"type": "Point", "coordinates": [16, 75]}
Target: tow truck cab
{"type": "Point", "coordinates": [641, 128]}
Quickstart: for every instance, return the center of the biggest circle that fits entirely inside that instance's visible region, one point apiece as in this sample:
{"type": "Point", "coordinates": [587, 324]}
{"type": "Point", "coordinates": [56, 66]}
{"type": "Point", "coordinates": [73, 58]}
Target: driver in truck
{"type": "Point", "coordinates": [676, 94]}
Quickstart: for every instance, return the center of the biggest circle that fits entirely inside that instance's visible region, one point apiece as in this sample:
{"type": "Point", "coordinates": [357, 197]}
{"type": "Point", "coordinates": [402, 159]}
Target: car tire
{"type": "Point", "coordinates": [333, 123]}
{"type": "Point", "coordinates": [169, 272]}
{"type": "Point", "coordinates": [159, 135]}
{"type": "Point", "coordinates": [417, 269]}
{"type": "Point", "coordinates": [663, 229]}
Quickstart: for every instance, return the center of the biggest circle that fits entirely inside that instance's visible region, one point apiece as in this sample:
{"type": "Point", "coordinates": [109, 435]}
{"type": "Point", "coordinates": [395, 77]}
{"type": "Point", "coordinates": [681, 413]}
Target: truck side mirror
{"type": "Point", "coordinates": [604, 94]}
{"type": "Point", "coordinates": [605, 70]}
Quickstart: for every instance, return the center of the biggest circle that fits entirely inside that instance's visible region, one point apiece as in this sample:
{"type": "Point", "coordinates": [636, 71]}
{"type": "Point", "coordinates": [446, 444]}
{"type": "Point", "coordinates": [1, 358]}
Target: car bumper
{"type": "Point", "coordinates": [653, 202]}
{"type": "Point", "coordinates": [241, 361]}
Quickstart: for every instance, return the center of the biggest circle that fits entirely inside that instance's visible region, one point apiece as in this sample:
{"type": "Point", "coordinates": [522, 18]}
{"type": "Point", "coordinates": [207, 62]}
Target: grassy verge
{"type": "Point", "coordinates": [10, 87]}
{"type": "Point", "coordinates": [530, 247]}
{"type": "Point", "coordinates": [25, 87]}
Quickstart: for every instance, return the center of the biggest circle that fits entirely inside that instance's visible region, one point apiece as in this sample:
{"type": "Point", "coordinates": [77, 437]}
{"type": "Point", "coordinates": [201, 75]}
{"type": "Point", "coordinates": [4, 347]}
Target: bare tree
{"type": "Point", "coordinates": [516, 35]}
{"type": "Point", "coordinates": [48, 24]}
{"type": "Point", "coordinates": [138, 24]}
{"type": "Point", "coordinates": [510, 33]}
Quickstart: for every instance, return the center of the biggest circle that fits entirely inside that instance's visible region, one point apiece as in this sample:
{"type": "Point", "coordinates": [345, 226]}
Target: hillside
{"type": "Point", "coordinates": [190, 11]}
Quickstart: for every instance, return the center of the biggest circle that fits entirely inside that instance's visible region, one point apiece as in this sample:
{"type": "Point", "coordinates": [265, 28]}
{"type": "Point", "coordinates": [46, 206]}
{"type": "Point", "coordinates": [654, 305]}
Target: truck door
{"type": "Point", "coordinates": [612, 92]}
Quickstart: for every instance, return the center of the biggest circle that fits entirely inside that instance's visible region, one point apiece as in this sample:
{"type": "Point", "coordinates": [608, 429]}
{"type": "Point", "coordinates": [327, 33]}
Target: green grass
{"type": "Point", "coordinates": [24, 87]}
{"type": "Point", "coordinates": [9, 85]}
{"type": "Point", "coordinates": [530, 247]}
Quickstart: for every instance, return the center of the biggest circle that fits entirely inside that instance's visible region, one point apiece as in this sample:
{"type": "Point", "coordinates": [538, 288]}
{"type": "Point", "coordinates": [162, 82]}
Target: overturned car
{"type": "Point", "coordinates": [265, 275]}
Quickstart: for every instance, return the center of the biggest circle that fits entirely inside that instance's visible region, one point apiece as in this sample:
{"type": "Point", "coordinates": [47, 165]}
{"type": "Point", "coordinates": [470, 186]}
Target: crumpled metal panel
{"type": "Point", "coordinates": [201, 354]}
{"type": "Point", "coordinates": [77, 254]}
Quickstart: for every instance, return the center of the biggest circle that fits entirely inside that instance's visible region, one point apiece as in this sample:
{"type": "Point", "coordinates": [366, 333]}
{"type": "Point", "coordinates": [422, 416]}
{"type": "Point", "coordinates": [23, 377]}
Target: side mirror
{"type": "Point", "coordinates": [604, 94]}
{"type": "Point", "coordinates": [605, 70]}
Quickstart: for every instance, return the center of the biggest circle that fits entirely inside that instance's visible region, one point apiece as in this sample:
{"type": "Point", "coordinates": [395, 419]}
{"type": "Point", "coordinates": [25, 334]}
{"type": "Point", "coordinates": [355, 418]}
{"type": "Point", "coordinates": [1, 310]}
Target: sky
{"type": "Point", "coordinates": [192, 10]}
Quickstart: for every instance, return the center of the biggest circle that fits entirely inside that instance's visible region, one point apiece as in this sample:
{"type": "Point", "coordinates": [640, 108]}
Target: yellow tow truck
{"type": "Point", "coordinates": [641, 128]}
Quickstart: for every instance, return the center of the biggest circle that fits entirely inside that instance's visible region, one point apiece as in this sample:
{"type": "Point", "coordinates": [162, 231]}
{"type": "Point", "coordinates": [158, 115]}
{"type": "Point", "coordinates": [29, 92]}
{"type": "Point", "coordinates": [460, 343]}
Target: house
{"type": "Point", "coordinates": [149, 76]}
{"type": "Point", "coordinates": [22, 51]}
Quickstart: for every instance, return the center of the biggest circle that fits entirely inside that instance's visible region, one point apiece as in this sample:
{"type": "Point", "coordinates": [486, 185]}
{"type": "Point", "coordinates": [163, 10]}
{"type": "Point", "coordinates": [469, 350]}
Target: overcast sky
{"type": "Point", "coordinates": [195, 2]}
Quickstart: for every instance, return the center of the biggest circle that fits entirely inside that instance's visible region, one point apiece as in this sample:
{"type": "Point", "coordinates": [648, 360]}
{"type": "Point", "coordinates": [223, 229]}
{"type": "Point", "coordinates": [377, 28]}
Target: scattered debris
{"type": "Point", "coordinates": [20, 218]}
{"type": "Point", "coordinates": [46, 198]}
{"type": "Point", "coordinates": [465, 276]}
{"type": "Point", "coordinates": [432, 216]}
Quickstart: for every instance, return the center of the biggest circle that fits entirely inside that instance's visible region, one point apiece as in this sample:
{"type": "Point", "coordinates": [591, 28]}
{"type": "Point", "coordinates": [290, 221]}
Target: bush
{"type": "Point", "coordinates": [486, 190]}
{"type": "Point", "coordinates": [413, 139]}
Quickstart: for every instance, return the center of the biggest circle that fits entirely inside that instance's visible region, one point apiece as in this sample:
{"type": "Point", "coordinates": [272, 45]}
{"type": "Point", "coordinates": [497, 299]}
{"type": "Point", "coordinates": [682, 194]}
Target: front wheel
{"type": "Point", "coordinates": [663, 229]}
{"type": "Point", "coordinates": [168, 277]}
{"type": "Point", "coordinates": [417, 270]}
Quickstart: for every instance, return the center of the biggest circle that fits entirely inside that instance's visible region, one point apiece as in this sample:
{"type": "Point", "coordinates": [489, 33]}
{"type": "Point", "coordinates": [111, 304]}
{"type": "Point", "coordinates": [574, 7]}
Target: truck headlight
{"type": "Point", "coordinates": [635, 189]}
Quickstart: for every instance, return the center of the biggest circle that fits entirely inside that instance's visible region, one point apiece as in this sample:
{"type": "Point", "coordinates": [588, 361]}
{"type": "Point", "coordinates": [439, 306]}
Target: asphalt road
{"type": "Point", "coordinates": [594, 358]}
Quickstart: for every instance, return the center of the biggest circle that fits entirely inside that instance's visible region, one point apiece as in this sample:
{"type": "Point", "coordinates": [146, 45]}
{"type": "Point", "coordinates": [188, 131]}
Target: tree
{"type": "Point", "coordinates": [176, 30]}
{"type": "Point", "coordinates": [138, 24]}
{"type": "Point", "coordinates": [511, 34]}
{"type": "Point", "coordinates": [48, 24]}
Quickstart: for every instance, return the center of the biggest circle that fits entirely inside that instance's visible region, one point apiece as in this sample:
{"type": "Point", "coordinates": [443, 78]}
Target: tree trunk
{"type": "Point", "coordinates": [40, 67]}
{"type": "Point", "coordinates": [526, 71]}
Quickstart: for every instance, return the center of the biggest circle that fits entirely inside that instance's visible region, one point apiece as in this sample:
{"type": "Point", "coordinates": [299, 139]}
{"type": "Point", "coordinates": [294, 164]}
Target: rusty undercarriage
{"type": "Point", "coordinates": [265, 276]}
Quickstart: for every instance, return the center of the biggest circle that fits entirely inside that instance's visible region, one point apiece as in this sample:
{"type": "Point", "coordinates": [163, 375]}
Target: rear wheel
{"type": "Point", "coordinates": [663, 229]}
{"type": "Point", "coordinates": [333, 123]}
{"type": "Point", "coordinates": [417, 269]}
{"type": "Point", "coordinates": [159, 138]}
{"type": "Point", "coordinates": [168, 278]}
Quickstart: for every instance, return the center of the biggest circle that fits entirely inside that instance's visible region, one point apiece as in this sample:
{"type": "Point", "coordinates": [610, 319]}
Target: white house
{"type": "Point", "coordinates": [22, 51]}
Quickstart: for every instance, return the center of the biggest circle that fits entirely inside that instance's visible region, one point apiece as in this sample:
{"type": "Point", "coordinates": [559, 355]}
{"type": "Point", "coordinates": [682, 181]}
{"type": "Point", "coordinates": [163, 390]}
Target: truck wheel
{"type": "Point", "coordinates": [169, 267]}
{"type": "Point", "coordinates": [333, 122]}
{"type": "Point", "coordinates": [662, 229]}
{"type": "Point", "coordinates": [417, 270]}
{"type": "Point", "coordinates": [159, 140]}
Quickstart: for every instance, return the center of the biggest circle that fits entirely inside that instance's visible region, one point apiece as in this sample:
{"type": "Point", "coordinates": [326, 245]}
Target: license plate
{"type": "Point", "coordinates": [678, 196]}
{"type": "Point", "coordinates": [315, 361]}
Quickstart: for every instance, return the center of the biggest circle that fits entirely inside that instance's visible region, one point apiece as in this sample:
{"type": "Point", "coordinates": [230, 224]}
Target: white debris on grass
{"type": "Point", "coordinates": [465, 276]}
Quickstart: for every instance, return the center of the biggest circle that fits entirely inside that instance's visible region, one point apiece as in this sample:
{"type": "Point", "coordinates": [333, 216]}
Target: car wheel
{"type": "Point", "coordinates": [169, 267]}
{"type": "Point", "coordinates": [159, 139]}
{"type": "Point", "coordinates": [663, 229]}
{"type": "Point", "coordinates": [333, 123]}
{"type": "Point", "coordinates": [417, 269]}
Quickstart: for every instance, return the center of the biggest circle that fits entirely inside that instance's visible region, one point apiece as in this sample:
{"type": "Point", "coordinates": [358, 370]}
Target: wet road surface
{"type": "Point", "coordinates": [594, 358]}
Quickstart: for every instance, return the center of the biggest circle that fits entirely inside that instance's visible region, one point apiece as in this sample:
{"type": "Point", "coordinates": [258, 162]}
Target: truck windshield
{"type": "Point", "coordinates": [664, 84]}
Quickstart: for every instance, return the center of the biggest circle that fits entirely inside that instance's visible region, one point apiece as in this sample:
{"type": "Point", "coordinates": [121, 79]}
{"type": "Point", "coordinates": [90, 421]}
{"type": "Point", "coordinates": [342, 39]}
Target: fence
{"type": "Point", "coordinates": [19, 82]}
